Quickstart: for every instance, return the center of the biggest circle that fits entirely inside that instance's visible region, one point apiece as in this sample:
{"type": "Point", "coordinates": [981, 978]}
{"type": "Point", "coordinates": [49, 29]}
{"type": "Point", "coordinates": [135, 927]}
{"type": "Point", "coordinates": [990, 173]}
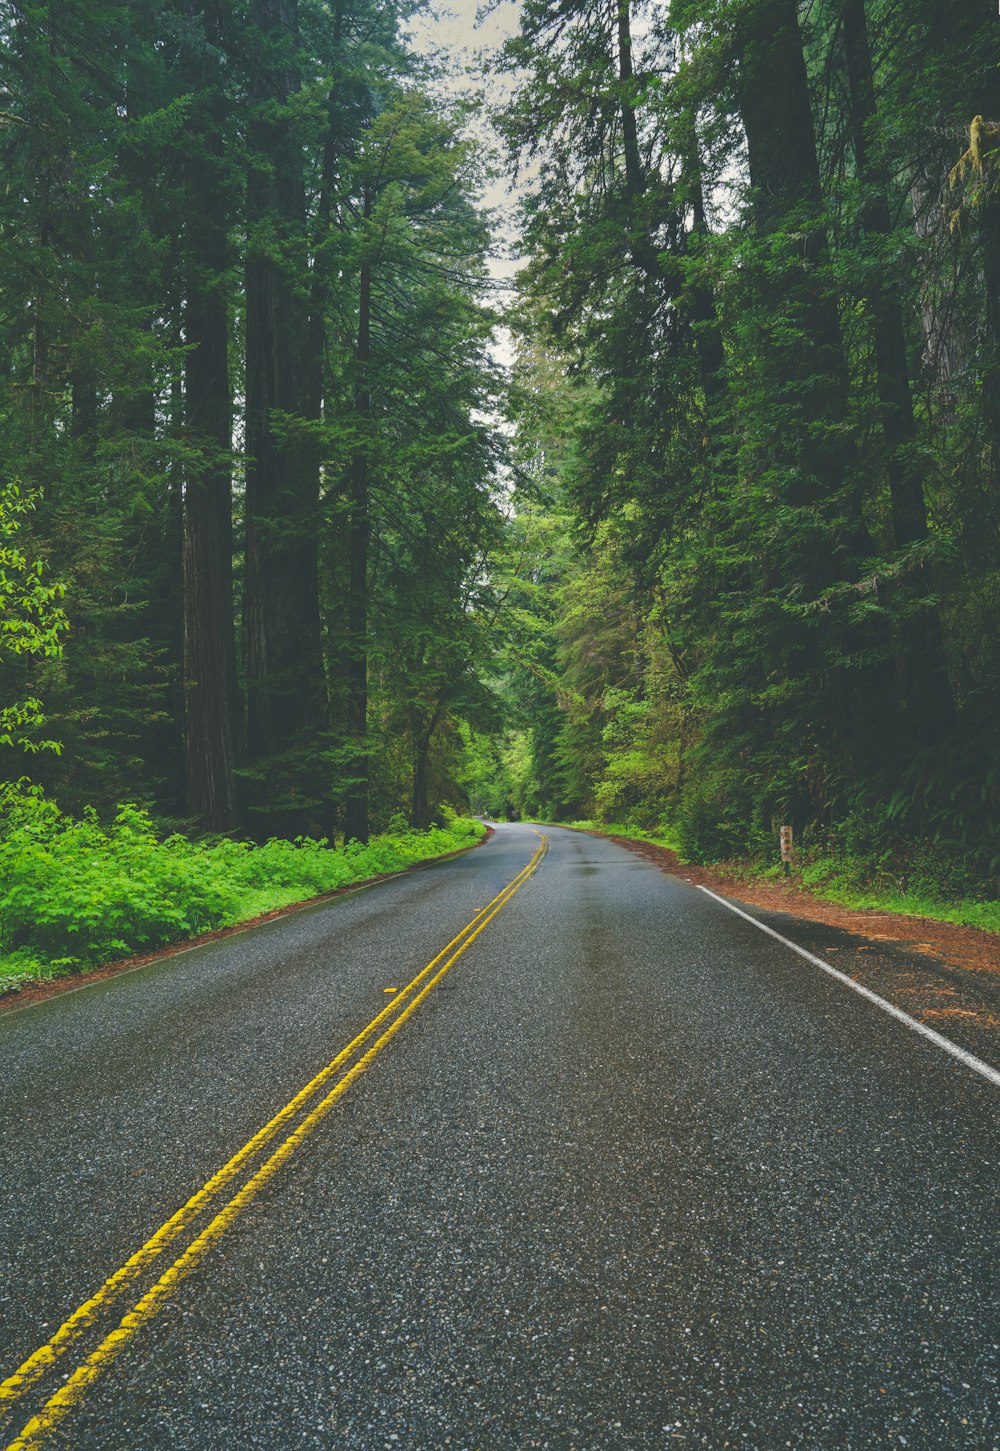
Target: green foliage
{"type": "Point", "coordinates": [751, 566]}
{"type": "Point", "coordinates": [76, 893]}
{"type": "Point", "coordinates": [136, 142]}
{"type": "Point", "coordinates": [758, 409]}
{"type": "Point", "coordinates": [486, 772]}
{"type": "Point", "coordinates": [918, 881]}
{"type": "Point", "coordinates": [710, 828]}
{"type": "Point", "coordinates": [32, 622]}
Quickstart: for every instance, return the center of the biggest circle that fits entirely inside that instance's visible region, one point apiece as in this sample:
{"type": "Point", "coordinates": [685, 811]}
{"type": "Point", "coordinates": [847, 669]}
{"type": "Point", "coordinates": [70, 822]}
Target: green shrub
{"type": "Point", "coordinates": [77, 893]}
{"type": "Point", "coordinates": [711, 828]}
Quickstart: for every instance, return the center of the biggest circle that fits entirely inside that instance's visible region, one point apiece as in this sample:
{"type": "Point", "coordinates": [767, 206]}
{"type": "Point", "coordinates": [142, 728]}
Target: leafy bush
{"type": "Point", "coordinates": [711, 828]}
{"type": "Point", "coordinates": [76, 893]}
{"type": "Point", "coordinates": [868, 850]}
{"type": "Point", "coordinates": [464, 827]}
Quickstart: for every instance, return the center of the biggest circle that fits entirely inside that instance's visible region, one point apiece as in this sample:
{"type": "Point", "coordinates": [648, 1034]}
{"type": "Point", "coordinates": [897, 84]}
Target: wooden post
{"type": "Point", "coordinates": [786, 848]}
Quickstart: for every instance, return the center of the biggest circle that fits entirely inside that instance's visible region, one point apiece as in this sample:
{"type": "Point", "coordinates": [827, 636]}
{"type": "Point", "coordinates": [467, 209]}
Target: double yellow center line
{"type": "Point", "coordinates": [382, 1028]}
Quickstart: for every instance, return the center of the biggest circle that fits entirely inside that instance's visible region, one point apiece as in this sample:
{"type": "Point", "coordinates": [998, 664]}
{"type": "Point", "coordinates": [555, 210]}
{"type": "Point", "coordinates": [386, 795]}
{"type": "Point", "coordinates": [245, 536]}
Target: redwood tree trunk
{"type": "Point", "coordinates": [421, 814]}
{"type": "Point", "coordinates": [285, 681]}
{"type": "Point", "coordinates": [823, 540]}
{"type": "Point", "coordinates": [356, 807]}
{"type": "Point", "coordinates": [924, 678]}
{"type": "Point", "coordinates": [421, 807]}
{"type": "Point", "coordinates": [708, 340]}
{"type": "Point", "coordinates": [209, 644]}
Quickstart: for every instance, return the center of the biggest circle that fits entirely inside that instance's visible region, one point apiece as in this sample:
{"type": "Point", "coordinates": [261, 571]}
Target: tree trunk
{"type": "Point", "coordinates": [420, 813]}
{"type": "Point", "coordinates": [823, 539]}
{"type": "Point", "coordinates": [924, 679]}
{"type": "Point", "coordinates": [784, 172]}
{"type": "Point", "coordinates": [209, 642]}
{"type": "Point", "coordinates": [83, 411]}
{"type": "Point", "coordinates": [708, 340]}
{"type": "Point", "coordinates": [40, 406]}
{"type": "Point", "coordinates": [634, 178]}
{"type": "Point", "coordinates": [285, 681]}
{"type": "Point", "coordinates": [644, 253]}
{"type": "Point", "coordinates": [356, 807]}
{"type": "Point", "coordinates": [322, 273]}
{"type": "Point", "coordinates": [892, 371]}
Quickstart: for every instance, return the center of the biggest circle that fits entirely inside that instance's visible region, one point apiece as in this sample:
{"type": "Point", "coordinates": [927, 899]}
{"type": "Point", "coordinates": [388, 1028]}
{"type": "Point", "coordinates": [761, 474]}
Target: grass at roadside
{"type": "Point", "coordinates": [834, 880]}
{"type": "Point", "coordinates": [78, 894]}
{"type": "Point", "coordinates": [847, 881]}
{"type": "Point", "coordinates": [664, 836]}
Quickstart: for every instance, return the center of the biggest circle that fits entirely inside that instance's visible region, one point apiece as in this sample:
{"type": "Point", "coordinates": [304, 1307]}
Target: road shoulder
{"type": "Point", "coordinates": [941, 974]}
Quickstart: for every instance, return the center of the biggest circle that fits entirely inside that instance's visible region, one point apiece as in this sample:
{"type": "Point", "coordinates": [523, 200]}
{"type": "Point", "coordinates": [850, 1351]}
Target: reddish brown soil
{"type": "Point", "coordinates": [944, 975]}
{"type": "Point", "coordinates": [35, 992]}
{"type": "Point", "coordinates": [968, 948]}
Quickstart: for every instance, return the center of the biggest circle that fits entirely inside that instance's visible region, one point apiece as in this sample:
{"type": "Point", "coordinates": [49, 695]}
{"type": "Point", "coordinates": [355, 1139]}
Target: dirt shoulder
{"type": "Point", "coordinates": [945, 975]}
{"type": "Point", "coordinates": [965, 947]}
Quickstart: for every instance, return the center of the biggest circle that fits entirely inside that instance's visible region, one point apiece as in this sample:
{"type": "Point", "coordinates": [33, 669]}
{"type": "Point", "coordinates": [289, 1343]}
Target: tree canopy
{"type": "Point", "coordinates": [720, 551]}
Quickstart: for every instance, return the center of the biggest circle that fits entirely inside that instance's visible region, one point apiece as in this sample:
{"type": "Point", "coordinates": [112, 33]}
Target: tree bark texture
{"type": "Point", "coordinates": [422, 737]}
{"type": "Point", "coordinates": [285, 681]}
{"type": "Point", "coordinates": [209, 642]}
{"type": "Point", "coordinates": [356, 807]}
{"type": "Point", "coordinates": [803, 362]}
{"type": "Point", "coordinates": [924, 679]}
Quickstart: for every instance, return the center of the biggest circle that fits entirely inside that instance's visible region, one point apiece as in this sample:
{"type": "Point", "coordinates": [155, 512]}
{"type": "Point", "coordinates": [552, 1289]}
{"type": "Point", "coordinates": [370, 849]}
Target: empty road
{"type": "Point", "coordinates": [619, 1171]}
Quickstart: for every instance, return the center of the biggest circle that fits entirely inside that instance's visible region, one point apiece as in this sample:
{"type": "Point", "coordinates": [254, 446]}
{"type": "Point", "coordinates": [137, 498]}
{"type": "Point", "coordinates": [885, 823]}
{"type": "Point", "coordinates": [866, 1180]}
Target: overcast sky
{"type": "Point", "coordinates": [453, 29]}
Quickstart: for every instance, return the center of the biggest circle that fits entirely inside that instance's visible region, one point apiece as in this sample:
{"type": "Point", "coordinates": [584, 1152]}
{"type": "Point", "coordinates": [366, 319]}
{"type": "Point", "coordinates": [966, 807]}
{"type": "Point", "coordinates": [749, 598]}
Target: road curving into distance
{"type": "Point", "coordinates": [535, 1147]}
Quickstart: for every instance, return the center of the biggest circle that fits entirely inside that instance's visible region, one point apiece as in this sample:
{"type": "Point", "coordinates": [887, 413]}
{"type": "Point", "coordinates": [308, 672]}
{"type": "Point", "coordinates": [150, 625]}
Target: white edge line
{"type": "Point", "coordinates": [969, 1059]}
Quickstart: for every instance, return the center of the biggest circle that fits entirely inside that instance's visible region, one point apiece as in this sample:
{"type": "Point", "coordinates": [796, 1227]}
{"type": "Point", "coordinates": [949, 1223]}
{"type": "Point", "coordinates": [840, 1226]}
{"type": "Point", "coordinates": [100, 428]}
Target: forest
{"type": "Point", "coordinates": [289, 551]}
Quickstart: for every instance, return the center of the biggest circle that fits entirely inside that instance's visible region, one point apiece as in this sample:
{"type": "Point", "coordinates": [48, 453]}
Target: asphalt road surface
{"type": "Point", "coordinates": [630, 1174]}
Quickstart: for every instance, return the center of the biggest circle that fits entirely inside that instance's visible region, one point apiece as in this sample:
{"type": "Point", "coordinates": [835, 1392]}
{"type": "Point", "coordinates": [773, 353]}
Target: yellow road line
{"type": "Point", "coordinates": [27, 1374]}
{"type": "Point", "coordinates": [71, 1392]}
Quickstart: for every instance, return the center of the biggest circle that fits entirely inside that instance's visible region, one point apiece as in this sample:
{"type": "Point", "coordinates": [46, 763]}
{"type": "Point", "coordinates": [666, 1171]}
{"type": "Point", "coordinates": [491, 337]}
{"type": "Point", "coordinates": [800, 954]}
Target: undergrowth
{"type": "Point", "coordinates": [862, 886]}
{"type": "Point", "coordinates": [911, 879]}
{"type": "Point", "coordinates": [664, 836]}
{"type": "Point", "coordinates": [76, 894]}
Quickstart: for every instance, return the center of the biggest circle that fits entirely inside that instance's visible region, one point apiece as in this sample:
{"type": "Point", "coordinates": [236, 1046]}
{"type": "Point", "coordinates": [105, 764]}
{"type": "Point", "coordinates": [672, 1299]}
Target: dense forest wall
{"type": "Point", "coordinates": [731, 557]}
{"type": "Point", "coordinates": [757, 387]}
{"type": "Point", "coordinates": [244, 381]}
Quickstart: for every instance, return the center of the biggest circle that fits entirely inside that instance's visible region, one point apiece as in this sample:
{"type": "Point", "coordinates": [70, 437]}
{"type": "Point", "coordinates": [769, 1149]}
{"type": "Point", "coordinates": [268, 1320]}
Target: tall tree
{"type": "Point", "coordinates": [924, 679]}
{"type": "Point", "coordinates": [209, 638]}
{"type": "Point", "coordinates": [358, 537]}
{"type": "Point", "coordinates": [412, 497]}
{"type": "Point", "coordinates": [285, 680]}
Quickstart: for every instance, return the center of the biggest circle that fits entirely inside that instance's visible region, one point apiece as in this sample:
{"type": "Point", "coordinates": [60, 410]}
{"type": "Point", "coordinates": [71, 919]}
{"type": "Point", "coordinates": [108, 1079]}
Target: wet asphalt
{"type": "Point", "coordinates": [633, 1176]}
